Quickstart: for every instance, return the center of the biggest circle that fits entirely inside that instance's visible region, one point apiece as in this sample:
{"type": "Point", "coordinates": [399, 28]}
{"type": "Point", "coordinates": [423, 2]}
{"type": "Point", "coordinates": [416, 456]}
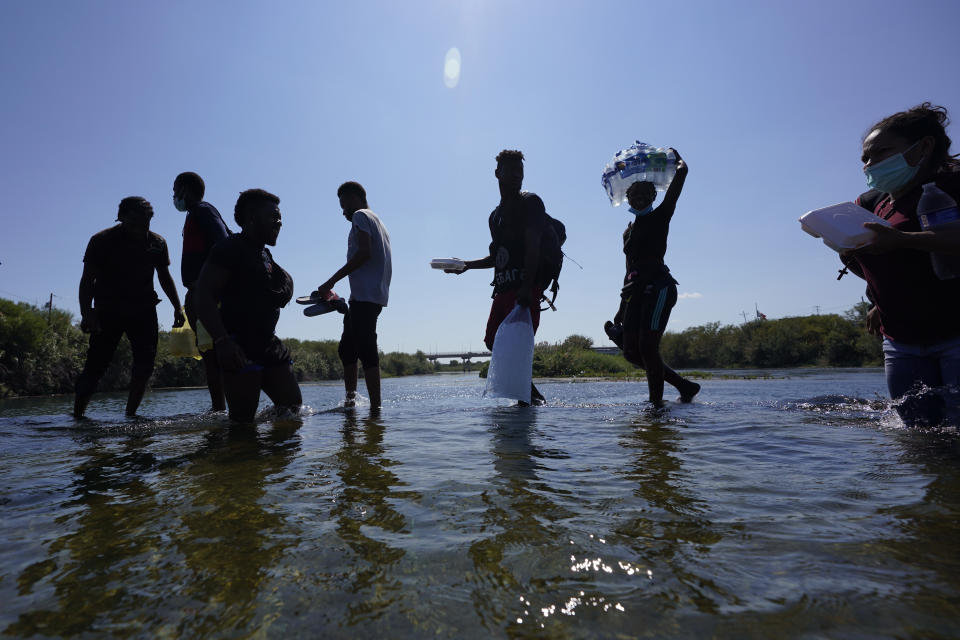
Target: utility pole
{"type": "Point", "coordinates": [50, 311]}
{"type": "Point", "coordinates": [817, 309]}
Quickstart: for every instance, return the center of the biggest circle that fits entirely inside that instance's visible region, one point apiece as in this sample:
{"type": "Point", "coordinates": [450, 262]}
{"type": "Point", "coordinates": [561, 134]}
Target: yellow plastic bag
{"type": "Point", "coordinates": [182, 342]}
{"type": "Point", "coordinates": [204, 340]}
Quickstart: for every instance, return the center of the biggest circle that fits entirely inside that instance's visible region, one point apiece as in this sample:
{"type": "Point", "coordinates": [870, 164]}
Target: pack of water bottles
{"type": "Point", "coordinates": [639, 162]}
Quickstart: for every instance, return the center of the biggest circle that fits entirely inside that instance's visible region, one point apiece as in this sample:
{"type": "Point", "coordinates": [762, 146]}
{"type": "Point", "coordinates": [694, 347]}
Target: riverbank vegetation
{"type": "Point", "coordinates": [807, 341]}
{"type": "Point", "coordinates": [42, 351]}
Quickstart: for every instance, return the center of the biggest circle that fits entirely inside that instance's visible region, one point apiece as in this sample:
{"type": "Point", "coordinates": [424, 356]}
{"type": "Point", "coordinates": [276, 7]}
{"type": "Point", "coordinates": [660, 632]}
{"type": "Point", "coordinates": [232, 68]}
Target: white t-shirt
{"type": "Point", "coordinates": [370, 282]}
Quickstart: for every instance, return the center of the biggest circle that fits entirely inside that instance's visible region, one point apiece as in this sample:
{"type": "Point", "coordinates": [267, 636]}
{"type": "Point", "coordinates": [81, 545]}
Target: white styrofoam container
{"type": "Point", "coordinates": [455, 264]}
{"type": "Point", "coordinates": [841, 225]}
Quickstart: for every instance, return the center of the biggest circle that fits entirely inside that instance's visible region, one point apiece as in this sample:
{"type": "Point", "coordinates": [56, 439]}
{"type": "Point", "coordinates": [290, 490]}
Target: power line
{"type": "Point", "coordinates": [21, 298]}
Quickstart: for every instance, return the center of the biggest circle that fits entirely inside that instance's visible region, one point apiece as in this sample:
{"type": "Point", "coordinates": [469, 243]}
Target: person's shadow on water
{"type": "Point", "coordinates": [232, 536]}
{"type": "Point", "coordinates": [670, 522]}
{"type": "Point", "coordinates": [518, 508]}
{"type": "Point", "coordinates": [189, 529]}
{"type": "Point", "coordinates": [364, 504]}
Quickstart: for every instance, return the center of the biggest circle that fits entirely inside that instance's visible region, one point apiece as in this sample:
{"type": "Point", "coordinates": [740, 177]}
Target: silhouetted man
{"type": "Point", "coordinates": [117, 298]}
{"type": "Point", "coordinates": [251, 288]}
{"type": "Point", "coordinates": [517, 228]}
{"type": "Point", "coordinates": [202, 229]}
{"type": "Point", "coordinates": [369, 268]}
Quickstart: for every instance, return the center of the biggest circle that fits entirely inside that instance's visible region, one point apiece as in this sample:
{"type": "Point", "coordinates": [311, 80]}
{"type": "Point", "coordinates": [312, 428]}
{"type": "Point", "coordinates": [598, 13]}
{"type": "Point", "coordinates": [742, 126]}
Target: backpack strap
{"type": "Point", "coordinates": [871, 200]}
{"type": "Point", "coordinates": [554, 288]}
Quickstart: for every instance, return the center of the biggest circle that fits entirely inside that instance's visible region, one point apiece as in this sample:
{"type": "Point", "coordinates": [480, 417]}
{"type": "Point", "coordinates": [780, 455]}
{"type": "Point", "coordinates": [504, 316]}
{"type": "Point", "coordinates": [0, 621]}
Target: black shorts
{"type": "Point", "coordinates": [264, 352]}
{"type": "Point", "coordinates": [359, 339]}
{"type": "Point", "coordinates": [648, 304]}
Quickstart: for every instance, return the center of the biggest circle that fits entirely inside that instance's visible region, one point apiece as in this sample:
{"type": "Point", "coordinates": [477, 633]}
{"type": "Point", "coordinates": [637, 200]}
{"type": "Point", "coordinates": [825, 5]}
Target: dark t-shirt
{"type": "Point", "coordinates": [508, 225]}
{"type": "Point", "coordinates": [202, 229]}
{"type": "Point", "coordinates": [915, 306]}
{"type": "Point", "coordinates": [254, 294]}
{"type": "Point", "coordinates": [125, 268]}
{"type": "Point", "coordinates": [645, 240]}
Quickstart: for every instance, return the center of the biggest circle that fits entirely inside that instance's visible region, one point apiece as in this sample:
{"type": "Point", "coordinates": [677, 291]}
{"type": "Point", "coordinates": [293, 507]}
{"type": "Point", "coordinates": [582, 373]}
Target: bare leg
{"type": "Point", "coordinates": [242, 391]}
{"type": "Point", "coordinates": [535, 396]}
{"type": "Point", "coordinates": [371, 376]}
{"type": "Point", "coordinates": [80, 405]}
{"type": "Point", "coordinates": [214, 380]}
{"type": "Point", "coordinates": [635, 354]}
{"type": "Point", "coordinates": [211, 363]}
{"type": "Point", "coordinates": [280, 385]}
{"type": "Point", "coordinates": [137, 388]}
{"type": "Point", "coordinates": [650, 352]}
{"type": "Point", "coordinates": [350, 380]}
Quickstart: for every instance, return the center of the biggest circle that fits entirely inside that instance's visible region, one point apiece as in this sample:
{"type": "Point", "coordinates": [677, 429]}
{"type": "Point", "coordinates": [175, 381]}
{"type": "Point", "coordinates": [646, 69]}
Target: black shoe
{"type": "Point", "coordinates": [614, 332]}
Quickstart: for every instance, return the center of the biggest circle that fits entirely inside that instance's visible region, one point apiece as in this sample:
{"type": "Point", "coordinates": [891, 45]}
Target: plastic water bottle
{"type": "Point", "coordinates": [638, 163]}
{"type": "Point", "coordinates": [937, 210]}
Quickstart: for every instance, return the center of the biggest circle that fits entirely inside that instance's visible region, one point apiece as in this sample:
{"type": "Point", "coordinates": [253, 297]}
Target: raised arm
{"type": "Point", "coordinates": [676, 185]}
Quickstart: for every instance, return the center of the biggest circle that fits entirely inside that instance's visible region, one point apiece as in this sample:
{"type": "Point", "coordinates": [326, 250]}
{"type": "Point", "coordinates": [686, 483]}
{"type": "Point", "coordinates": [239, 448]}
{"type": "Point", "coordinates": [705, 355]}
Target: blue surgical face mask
{"type": "Point", "coordinates": [891, 174]}
{"type": "Point", "coordinates": [647, 210]}
{"type": "Point", "coordinates": [179, 204]}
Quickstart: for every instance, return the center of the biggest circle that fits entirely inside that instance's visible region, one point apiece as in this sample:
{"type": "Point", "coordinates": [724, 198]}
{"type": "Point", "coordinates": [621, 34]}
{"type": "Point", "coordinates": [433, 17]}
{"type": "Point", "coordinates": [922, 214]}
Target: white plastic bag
{"type": "Point", "coordinates": [511, 363]}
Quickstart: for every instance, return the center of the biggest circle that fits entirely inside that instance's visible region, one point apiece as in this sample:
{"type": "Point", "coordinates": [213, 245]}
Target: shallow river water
{"type": "Point", "coordinates": [795, 506]}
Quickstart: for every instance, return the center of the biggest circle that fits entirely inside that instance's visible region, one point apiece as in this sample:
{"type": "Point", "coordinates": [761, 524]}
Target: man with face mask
{"type": "Point", "coordinates": [202, 229]}
{"type": "Point", "coordinates": [915, 312]}
{"type": "Point", "coordinates": [117, 298]}
{"type": "Point", "coordinates": [250, 288]}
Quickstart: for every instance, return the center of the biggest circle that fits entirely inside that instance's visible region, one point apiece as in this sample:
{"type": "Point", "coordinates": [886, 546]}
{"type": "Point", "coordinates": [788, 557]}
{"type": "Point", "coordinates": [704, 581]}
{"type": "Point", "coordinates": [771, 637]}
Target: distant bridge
{"type": "Point", "coordinates": [465, 356]}
{"type": "Point", "coordinates": [610, 350]}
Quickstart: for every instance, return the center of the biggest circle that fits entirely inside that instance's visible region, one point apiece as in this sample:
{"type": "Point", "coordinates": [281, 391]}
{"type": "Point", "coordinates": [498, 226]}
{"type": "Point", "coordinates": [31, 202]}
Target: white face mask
{"type": "Point", "coordinates": [179, 204]}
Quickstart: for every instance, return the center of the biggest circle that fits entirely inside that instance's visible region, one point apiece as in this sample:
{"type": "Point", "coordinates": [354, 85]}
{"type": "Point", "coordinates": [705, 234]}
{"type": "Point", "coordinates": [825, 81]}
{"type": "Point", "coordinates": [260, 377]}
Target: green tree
{"type": "Point", "coordinates": [577, 342]}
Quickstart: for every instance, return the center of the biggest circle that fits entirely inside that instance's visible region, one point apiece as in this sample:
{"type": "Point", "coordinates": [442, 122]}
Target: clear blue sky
{"type": "Point", "coordinates": [767, 101]}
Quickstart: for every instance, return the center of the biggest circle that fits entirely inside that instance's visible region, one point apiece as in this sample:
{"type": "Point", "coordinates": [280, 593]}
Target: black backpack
{"type": "Point", "coordinates": [551, 252]}
{"type": "Point", "coordinates": [551, 258]}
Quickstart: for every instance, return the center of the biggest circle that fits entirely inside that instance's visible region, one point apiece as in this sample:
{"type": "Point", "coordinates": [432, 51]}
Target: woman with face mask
{"type": "Point", "coordinates": [916, 313]}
